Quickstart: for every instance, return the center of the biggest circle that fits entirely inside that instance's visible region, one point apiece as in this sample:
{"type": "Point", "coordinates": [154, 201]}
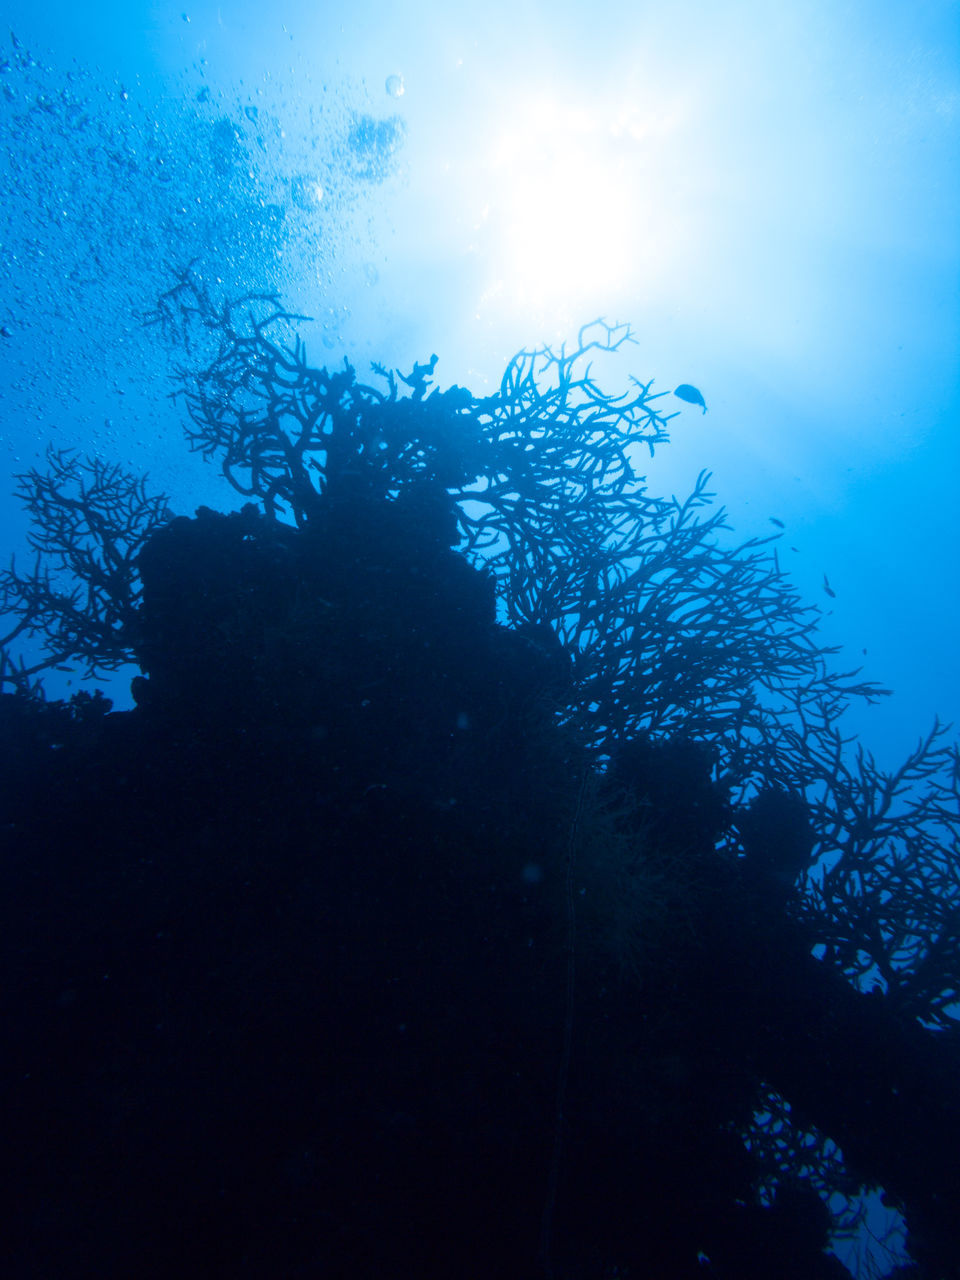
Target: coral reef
{"type": "Point", "coordinates": [481, 884]}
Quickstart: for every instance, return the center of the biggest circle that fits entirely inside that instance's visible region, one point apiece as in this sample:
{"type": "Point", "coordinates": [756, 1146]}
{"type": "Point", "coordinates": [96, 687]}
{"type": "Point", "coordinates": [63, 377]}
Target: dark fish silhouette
{"type": "Point", "coordinates": [690, 394]}
{"type": "Point", "coordinates": [778, 523]}
{"type": "Point", "coordinates": [828, 589]}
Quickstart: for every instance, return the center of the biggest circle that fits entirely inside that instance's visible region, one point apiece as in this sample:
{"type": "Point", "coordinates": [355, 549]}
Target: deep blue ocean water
{"type": "Point", "coordinates": [769, 195]}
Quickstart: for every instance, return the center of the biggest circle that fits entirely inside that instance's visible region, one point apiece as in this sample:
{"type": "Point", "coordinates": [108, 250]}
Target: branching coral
{"type": "Point", "coordinates": [89, 521]}
{"type": "Point", "coordinates": [670, 631]}
{"type": "Point", "coordinates": [884, 900]}
{"type": "Point", "coordinates": [690, 720]}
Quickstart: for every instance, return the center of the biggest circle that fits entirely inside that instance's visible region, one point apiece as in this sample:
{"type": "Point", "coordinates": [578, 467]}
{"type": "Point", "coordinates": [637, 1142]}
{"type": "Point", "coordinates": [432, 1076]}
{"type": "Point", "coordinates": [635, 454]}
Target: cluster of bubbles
{"type": "Point", "coordinates": [109, 187]}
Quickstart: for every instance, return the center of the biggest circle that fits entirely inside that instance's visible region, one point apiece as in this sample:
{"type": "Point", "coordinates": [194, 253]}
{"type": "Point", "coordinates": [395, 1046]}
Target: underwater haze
{"type": "Point", "coordinates": [768, 195]}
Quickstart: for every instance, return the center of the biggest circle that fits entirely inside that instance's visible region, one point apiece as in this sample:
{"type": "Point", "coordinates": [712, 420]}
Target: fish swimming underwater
{"type": "Point", "coordinates": [690, 394]}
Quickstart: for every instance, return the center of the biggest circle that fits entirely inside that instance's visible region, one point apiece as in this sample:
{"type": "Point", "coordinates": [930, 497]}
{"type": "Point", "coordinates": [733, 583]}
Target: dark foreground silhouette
{"type": "Point", "coordinates": [347, 953]}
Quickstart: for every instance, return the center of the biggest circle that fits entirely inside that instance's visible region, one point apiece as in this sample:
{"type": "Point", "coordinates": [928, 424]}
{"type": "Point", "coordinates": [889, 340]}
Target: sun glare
{"type": "Point", "coordinates": [571, 218]}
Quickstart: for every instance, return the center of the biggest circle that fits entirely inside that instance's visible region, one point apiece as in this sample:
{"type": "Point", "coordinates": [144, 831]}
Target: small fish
{"type": "Point", "coordinates": [778, 523]}
{"type": "Point", "coordinates": [828, 589]}
{"type": "Point", "coordinates": [690, 394]}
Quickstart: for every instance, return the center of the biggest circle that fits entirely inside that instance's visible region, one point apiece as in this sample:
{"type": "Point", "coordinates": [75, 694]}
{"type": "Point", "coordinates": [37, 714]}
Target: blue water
{"type": "Point", "coordinates": [769, 195]}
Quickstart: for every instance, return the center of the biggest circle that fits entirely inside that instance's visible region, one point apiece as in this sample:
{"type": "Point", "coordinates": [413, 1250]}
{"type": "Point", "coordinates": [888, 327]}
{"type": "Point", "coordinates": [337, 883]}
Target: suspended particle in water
{"type": "Point", "coordinates": [306, 192]}
{"type": "Point", "coordinates": [395, 86]}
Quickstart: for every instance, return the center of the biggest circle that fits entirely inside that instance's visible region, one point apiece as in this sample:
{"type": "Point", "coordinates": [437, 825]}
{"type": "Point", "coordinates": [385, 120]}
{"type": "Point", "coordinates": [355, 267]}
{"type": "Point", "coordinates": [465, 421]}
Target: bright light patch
{"type": "Point", "coordinates": [570, 216]}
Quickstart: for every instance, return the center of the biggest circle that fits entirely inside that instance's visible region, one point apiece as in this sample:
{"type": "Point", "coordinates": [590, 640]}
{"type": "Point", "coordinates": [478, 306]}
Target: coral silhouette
{"type": "Point", "coordinates": [481, 883]}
